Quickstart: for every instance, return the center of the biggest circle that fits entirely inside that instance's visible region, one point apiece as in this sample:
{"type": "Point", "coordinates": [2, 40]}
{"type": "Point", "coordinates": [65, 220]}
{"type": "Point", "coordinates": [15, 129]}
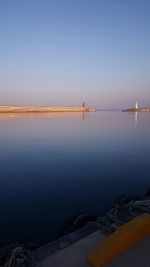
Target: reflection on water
{"type": "Point", "coordinates": [9, 116]}
{"type": "Point", "coordinates": [55, 166]}
{"type": "Point", "coordinates": [136, 118]}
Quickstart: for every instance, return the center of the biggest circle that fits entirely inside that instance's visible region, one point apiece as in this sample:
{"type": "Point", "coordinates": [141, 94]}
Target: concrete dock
{"type": "Point", "coordinates": [75, 255]}
{"type": "Point", "coordinates": [128, 246]}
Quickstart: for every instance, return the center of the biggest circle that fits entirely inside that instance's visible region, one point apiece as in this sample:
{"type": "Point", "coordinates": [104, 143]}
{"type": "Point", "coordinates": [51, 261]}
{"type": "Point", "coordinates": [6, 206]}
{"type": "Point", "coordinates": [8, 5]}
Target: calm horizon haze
{"type": "Point", "coordinates": [65, 52]}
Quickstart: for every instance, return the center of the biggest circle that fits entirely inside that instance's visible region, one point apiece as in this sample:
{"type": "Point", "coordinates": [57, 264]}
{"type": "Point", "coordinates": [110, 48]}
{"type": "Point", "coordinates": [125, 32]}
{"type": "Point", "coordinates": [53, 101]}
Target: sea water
{"type": "Point", "coordinates": [56, 166]}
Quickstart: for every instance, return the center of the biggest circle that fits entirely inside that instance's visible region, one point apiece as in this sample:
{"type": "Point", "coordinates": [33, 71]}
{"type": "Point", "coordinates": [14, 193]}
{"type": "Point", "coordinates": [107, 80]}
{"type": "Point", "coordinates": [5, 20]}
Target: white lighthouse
{"type": "Point", "coordinates": [136, 105]}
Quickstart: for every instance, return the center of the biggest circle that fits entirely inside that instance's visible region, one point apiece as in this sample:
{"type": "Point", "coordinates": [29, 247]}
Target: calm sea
{"type": "Point", "coordinates": [54, 167]}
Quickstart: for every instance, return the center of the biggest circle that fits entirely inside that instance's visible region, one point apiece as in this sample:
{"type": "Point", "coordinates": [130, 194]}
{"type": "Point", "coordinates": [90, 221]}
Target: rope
{"type": "Point", "coordinates": [123, 213]}
{"type": "Point", "coordinates": [18, 256]}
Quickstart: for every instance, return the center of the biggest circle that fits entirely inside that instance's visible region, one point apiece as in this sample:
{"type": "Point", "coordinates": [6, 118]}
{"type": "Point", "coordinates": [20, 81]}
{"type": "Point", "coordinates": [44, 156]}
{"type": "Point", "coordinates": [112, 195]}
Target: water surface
{"type": "Point", "coordinates": [56, 166]}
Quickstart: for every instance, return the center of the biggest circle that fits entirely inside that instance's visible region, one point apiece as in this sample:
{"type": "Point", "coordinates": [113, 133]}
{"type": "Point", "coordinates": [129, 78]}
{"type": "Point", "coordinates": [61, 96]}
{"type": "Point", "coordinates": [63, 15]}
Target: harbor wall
{"type": "Point", "coordinates": [26, 109]}
{"type": "Point", "coordinates": [137, 110]}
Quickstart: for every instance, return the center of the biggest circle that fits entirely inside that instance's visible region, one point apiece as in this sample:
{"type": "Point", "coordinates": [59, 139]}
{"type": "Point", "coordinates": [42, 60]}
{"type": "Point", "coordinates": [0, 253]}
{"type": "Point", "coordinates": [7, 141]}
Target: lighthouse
{"type": "Point", "coordinates": [136, 105]}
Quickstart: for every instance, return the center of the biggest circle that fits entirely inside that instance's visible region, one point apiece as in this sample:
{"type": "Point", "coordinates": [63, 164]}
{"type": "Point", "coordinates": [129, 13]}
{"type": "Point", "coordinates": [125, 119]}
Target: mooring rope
{"type": "Point", "coordinates": [17, 256]}
{"type": "Point", "coordinates": [120, 214]}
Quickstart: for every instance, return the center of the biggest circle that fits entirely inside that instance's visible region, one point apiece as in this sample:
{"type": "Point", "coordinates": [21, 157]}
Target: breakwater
{"type": "Point", "coordinates": [137, 110]}
{"type": "Point", "coordinates": [43, 109]}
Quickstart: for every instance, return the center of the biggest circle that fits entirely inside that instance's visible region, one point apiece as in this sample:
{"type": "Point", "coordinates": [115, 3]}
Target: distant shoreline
{"type": "Point", "coordinates": [137, 110]}
{"type": "Point", "coordinates": [43, 109]}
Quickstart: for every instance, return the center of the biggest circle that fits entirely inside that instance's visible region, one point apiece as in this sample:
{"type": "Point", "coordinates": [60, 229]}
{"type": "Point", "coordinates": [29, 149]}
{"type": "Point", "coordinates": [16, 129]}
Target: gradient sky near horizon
{"type": "Point", "coordinates": [63, 52]}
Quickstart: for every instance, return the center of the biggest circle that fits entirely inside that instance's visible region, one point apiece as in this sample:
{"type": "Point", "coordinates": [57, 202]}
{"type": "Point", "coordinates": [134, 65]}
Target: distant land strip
{"type": "Point", "coordinates": [137, 110]}
{"type": "Point", "coordinates": [40, 109]}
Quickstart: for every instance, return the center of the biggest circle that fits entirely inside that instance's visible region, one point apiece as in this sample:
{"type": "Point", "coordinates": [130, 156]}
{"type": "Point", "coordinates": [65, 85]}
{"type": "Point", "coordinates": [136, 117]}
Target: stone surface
{"type": "Point", "coordinates": [76, 254]}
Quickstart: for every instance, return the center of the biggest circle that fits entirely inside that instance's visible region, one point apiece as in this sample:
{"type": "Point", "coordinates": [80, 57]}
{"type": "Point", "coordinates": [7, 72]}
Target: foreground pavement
{"type": "Point", "coordinates": [76, 254]}
{"type": "Point", "coordinates": [128, 246]}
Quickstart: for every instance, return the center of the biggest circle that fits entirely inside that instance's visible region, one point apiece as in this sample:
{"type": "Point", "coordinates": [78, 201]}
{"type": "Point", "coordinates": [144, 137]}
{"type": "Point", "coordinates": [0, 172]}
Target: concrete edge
{"type": "Point", "coordinates": [61, 243]}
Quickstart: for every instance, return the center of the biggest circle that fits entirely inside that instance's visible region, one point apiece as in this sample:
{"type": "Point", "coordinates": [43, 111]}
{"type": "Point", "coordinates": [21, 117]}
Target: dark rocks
{"type": "Point", "coordinates": [79, 222]}
{"type": "Point", "coordinates": [125, 198]}
{"type": "Point", "coordinates": [147, 195]}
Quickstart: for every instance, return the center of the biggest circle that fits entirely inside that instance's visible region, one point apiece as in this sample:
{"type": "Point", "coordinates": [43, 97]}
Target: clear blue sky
{"type": "Point", "coordinates": [61, 52]}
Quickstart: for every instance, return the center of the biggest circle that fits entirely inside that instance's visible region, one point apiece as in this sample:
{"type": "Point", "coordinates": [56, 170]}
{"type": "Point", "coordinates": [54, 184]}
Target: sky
{"type": "Point", "coordinates": [63, 52]}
